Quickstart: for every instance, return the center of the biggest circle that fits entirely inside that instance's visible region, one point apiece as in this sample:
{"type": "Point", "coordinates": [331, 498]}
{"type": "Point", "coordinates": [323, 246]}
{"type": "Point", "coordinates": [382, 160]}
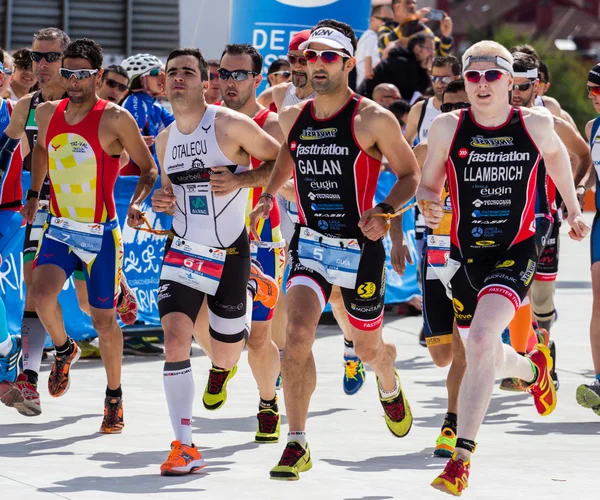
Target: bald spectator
{"type": "Point", "coordinates": [213, 93]}
{"type": "Point", "coordinates": [385, 94]}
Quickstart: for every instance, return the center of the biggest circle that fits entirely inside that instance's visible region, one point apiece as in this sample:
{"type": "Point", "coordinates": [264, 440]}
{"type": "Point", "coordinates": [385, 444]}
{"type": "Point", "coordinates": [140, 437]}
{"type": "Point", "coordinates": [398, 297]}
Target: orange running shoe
{"type": "Point", "coordinates": [128, 309]}
{"type": "Point", "coordinates": [455, 478]}
{"type": "Point", "coordinates": [59, 381]}
{"type": "Point", "coordinates": [183, 459]}
{"type": "Point", "coordinates": [113, 416]}
{"type": "Point", "coordinates": [267, 291]}
{"type": "Point", "coordinates": [542, 389]}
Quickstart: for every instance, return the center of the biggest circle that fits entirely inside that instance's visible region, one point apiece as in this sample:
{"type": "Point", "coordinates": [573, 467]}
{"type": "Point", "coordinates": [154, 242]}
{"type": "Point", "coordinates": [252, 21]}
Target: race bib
{"type": "Point", "coordinates": [84, 238]}
{"type": "Point", "coordinates": [438, 242]}
{"type": "Point", "coordinates": [40, 219]}
{"type": "Point", "coordinates": [335, 259]}
{"type": "Point", "coordinates": [194, 265]}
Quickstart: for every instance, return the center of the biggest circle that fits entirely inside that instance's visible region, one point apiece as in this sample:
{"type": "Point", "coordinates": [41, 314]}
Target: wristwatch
{"type": "Point", "coordinates": [32, 194]}
{"type": "Point", "coordinates": [387, 208]}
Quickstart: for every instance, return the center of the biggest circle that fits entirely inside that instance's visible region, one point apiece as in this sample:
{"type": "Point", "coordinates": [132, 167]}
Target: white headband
{"type": "Point", "coordinates": [497, 60]}
{"type": "Point", "coordinates": [530, 73]}
{"type": "Point", "coordinates": [330, 37]}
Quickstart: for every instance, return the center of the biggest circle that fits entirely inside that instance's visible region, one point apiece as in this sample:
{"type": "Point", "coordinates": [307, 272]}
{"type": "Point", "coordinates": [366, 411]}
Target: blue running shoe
{"type": "Point", "coordinates": [354, 374]}
{"type": "Point", "coordinates": [9, 392]}
{"type": "Point", "coordinates": [506, 336]}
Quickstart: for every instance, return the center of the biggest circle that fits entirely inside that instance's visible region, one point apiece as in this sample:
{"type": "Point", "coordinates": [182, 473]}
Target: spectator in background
{"type": "Point", "coordinates": [23, 78]}
{"type": "Point", "coordinates": [385, 94]}
{"type": "Point", "coordinates": [8, 62]}
{"type": "Point", "coordinates": [367, 52]}
{"type": "Point", "coordinates": [213, 93]}
{"type": "Point", "coordinates": [114, 84]}
{"type": "Point", "coordinates": [408, 69]}
{"type": "Point", "coordinates": [279, 72]}
{"type": "Point", "coordinates": [400, 109]}
{"type": "Point", "coordinates": [399, 31]}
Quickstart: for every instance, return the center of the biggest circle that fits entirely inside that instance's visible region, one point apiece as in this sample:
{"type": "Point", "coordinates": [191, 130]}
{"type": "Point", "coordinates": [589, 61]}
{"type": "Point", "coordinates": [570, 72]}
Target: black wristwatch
{"type": "Point", "coordinates": [32, 194]}
{"type": "Point", "coordinates": [387, 208]}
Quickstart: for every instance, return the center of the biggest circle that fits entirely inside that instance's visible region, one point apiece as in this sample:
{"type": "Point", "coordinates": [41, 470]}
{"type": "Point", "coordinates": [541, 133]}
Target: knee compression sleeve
{"type": "Point", "coordinates": [542, 298]}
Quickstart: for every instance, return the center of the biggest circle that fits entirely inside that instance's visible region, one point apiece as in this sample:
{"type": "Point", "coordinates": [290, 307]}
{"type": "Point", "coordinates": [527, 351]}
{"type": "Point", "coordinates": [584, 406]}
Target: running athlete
{"type": "Point", "coordinates": [80, 141]}
{"type": "Point", "coordinates": [208, 254]}
{"type": "Point", "coordinates": [445, 69]}
{"type": "Point", "coordinates": [336, 142]}
{"type": "Point", "coordinates": [11, 222]}
{"type": "Point", "coordinates": [492, 150]}
{"type": "Point", "coordinates": [48, 45]}
{"type": "Point", "coordinates": [239, 76]}
{"type": "Point", "coordinates": [441, 335]}
{"type": "Point", "coordinates": [588, 395]}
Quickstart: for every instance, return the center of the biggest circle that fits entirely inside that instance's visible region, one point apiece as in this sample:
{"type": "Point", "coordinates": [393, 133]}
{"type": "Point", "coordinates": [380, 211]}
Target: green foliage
{"type": "Point", "coordinates": [568, 73]}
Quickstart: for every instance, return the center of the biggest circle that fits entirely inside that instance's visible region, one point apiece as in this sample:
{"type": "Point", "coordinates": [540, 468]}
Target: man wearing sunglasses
{"type": "Point", "coordinates": [114, 84]}
{"type": "Point", "coordinates": [47, 47]}
{"type": "Point", "coordinates": [335, 143]}
{"type": "Point", "coordinates": [213, 92]}
{"type": "Point", "coordinates": [80, 141]}
{"type": "Point", "coordinates": [279, 71]}
{"type": "Point", "coordinates": [209, 220]}
{"type": "Point", "coordinates": [490, 155]}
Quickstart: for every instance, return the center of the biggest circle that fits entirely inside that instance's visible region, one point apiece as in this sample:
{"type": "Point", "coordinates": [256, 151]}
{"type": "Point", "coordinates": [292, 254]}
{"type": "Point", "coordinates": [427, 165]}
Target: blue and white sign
{"type": "Point", "coordinates": [269, 25]}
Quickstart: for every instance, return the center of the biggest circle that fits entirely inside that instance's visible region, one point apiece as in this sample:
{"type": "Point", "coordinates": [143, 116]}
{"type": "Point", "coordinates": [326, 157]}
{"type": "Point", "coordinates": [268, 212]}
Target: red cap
{"type": "Point", "coordinates": [298, 39]}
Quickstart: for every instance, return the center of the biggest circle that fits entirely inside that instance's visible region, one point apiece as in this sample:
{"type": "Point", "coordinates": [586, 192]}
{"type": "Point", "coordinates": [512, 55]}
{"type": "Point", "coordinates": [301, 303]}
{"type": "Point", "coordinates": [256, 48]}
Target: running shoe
{"type": "Point", "coordinates": [266, 289]}
{"type": "Point", "coordinates": [588, 396]}
{"type": "Point", "coordinates": [543, 336]}
{"type": "Point", "coordinates": [9, 365]}
{"type": "Point", "coordinates": [113, 416]}
{"type": "Point", "coordinates": [267, 430]}
{"type": "Point", "coordinates": [542, 389]}
{"type": "Point", "coordinates": [183, 459]}
{"type": "Point", "coordinates": [137, 346]}
{"type": "Point", "coordinates": [88, 350]}
{"type": "Point", "coordinates": [445, 444]}
{"type": "Point", "coordinates": [455, 478]}
{"type": "Point", "coordinates": [354, 374]}
{"type": "Point", "coordinates": [398, 416]}
{"type": "Point", "coordinates": [215, 393]}
{"type": "Point", "coordinates": [553, 374]}
{"type": "Point", "coordinates": [59, 380]}
{"type": "Point", "coordinates": [295, 459]}
{"type": "Point", "coordinates": [506, 336]}
{"type": "Point", "coordinates": [127, 309]}
{"type": "Point", "coordinates": [511, 384]}
{"type": "Point", "coordinates": [31, 405]}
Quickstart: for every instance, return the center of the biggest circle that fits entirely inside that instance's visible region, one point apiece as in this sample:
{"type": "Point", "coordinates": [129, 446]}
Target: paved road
{"type": "Point", "coordinates": [520, 454]}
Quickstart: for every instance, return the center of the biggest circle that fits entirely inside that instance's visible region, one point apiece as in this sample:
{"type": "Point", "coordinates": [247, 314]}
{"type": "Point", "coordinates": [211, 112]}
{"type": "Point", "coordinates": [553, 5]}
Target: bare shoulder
{"type": "Point", "coordinates": [45, 110]}
{"type": "Point", "coordinates": [416, 109]}
{"type": "Point", "coordinates": [562, 126]}
{"type": "Point", "coordinates": [230, 118]}
{"type": "Point", "coordinates": [289, 115]}
{"type": "Point", "coordinates": [163, 137]}
{"type": "Point", "coordinates": [588, 128]}
{"type": "Point", "coordinates": [420, 149]}
{"type": "Point", "coordinates": [272, 127]}
{"type": "Point", "coordinates": [279, 90]}
{"type": "Point", "coordinates": [117, 112]}
{"type": "Point", "coordinates": [550, 102]}
{"type": "Point", "coordinates": [538, 116]}
{"type": "Point", "coordinates": [444, 126]}
{"type": "Point", "coordinates": [373, 114]}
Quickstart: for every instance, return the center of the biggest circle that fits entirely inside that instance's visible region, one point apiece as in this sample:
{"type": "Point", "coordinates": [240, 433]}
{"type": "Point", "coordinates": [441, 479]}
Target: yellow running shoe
{"type": "Point", "coordinates": [215, 393]}
{"type": "Point", "coordinates": [295, 459]}
{"type": "Point", "coordinates": [455, 478]}
{"type": "Point", "coordinates": [88, 350]}
{"type": "Point", "coordinates": [398, 416]}
{"type": "Point", "coordinates": [269, 422]}
{"type": "Point", "coordinates": [445, 444]}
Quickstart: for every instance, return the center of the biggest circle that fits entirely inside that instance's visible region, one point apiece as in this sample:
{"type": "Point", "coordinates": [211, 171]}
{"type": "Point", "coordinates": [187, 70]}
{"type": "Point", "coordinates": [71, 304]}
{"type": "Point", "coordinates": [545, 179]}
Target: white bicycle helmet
{"type": "Point", "coordinates": [140, 64]}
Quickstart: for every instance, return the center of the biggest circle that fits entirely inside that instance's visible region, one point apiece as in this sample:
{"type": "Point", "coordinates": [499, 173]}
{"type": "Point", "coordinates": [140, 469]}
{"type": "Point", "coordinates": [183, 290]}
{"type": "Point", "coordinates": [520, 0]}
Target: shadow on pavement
{"type": "Point", "coordinates": [21, 429]}
{"type": "Point", "coordinates": [422, 460]}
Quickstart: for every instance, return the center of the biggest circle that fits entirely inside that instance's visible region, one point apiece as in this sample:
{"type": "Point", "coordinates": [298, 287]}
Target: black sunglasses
{"type": "Point", "coordinates": [116, 85]}
{"type": "Point", "coordinates": [522, 87]}
{"type": "Point", "coordinates": [238, 75]}
{"type": "Point", "coordinates": [49, 56]}
{"type": "Point", "coordinates": [451, 106]}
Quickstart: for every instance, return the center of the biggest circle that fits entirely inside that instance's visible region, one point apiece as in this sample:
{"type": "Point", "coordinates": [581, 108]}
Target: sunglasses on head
{"type": "Point", "coordinates": [79, 74]}
{"type": "Point", "coordinates": [443, 79]}
{"type": "Point", "coordinates": [594, 90]}
{"type": "Point", "coordinates": [522, 87]}
{"type": "Point", "coordinates": [451, 106]}
{"type": "Point", "coordinates": [490, 75]}
{"type": "Point", "coordinates": [238, 75]}
{"type": "Point", "coordinates": [285, 74]}
{"type": "Point", "coordinates": [49, 56]}
{"type": "Point", "coordinates": [327, 56]}
{"type": "Point", "coordinates": [113, 84]}
{"type": "Point", "coordinates": [296, 59]}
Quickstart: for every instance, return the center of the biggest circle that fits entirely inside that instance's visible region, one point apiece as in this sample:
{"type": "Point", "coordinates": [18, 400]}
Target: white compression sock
{"type": "Point", "coordinates": [178, 381]}
{"type": "Point", "coordinates": [33, 338]}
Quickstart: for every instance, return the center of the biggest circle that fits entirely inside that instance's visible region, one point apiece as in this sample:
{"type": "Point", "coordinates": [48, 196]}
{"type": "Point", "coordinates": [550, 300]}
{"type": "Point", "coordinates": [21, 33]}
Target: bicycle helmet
{"type": "Point", "coordinates": [140, 64]}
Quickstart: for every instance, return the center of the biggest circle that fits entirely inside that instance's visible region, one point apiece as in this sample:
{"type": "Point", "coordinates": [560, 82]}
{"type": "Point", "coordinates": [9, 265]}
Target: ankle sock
{"type": "Point", "coordinates": [298, 436]}
{"type": "Point", "coordinates": [271, 404]}
{"type": "Point", "coordinates": [32, 377]}
{"type": "Point", "coordinates": [451, 421]}
{"type": "Point", "coordinates": [114, 393]}
{"type": "Point", "coordinates": [66, 349]}
{"type": "Point", "coordinates": [349, 348]}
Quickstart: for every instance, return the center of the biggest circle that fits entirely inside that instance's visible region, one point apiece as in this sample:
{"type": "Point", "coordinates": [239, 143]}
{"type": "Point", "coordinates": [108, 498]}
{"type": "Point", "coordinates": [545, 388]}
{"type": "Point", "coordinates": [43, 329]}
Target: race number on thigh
{"type": "Point", "coordinates": [335, 259]}
{"type": "Point", "coordinates": [194, 265]}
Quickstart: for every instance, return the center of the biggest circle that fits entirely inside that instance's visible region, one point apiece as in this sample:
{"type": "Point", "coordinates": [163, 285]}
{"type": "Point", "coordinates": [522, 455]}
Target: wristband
{"type": "Point", "coordinates": [386, 207]}
{"type": "Point", "coordinates": [32, 194]}
{"type": "Point", "coordinates": [581, 186]}
{"type": "Point", "coordinates": [267, 195]}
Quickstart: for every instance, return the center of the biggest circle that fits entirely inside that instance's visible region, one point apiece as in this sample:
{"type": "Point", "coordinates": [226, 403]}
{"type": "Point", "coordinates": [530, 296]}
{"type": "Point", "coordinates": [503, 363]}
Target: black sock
{"type": "Point", "coordinates": [32, 377]}
{"type": "Point", "coordinates": [348, 343]}
{"type": "Point", "coordinates": [114, 393]}
{"type": "Point", "coordinates": [450, 420]}
{"type": "Point", "coordinates": [272, 404]}
{"type": "Point", "coordinates": [66, 349]}
{"type": "Point", "coordinates": [466, 444]}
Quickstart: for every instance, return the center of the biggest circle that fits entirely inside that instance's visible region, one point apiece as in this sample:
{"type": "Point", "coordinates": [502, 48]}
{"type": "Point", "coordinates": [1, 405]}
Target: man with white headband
{"type": "Point", "coordinates": [335, 144]}
{"type": "Point", "coordinates": [490, 154]}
